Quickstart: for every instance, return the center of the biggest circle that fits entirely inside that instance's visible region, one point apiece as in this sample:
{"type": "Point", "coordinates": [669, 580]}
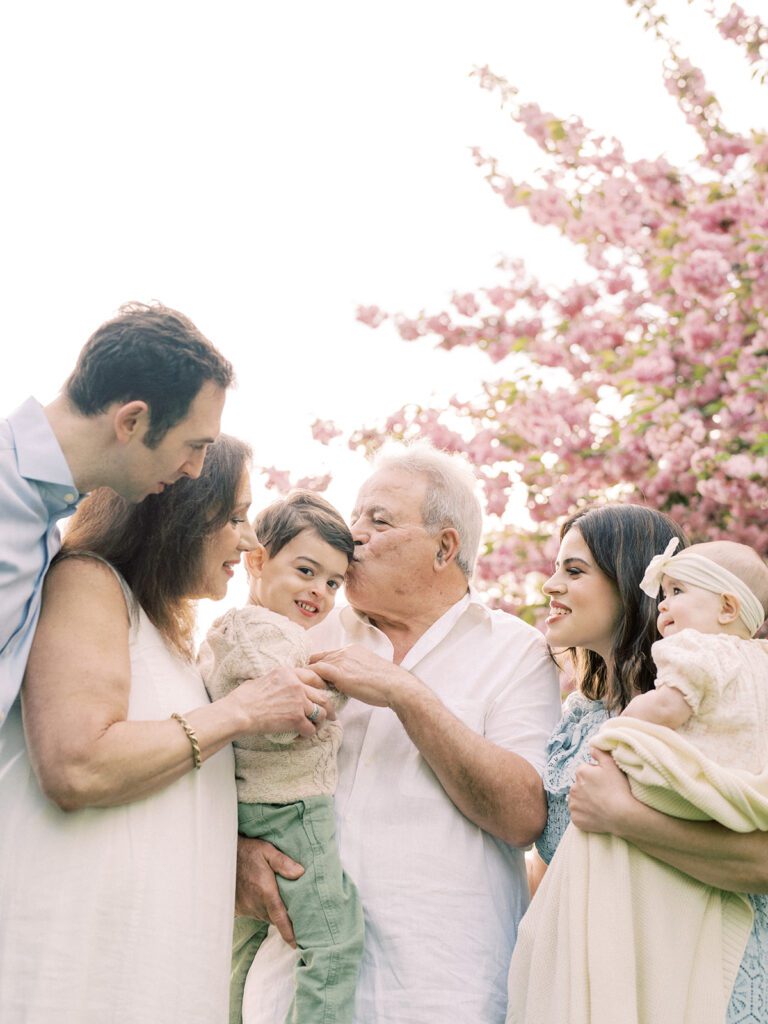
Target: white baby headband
{"type": "Point", "coordinates": [701, 572]}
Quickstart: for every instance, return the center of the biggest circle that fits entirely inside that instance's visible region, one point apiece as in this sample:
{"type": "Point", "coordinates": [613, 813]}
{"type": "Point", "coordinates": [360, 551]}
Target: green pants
{"type": "Point", "coordinates": [323, 906]}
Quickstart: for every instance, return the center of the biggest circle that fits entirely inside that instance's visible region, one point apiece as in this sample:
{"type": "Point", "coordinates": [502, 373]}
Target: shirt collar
{"type": "Point", "coordinates": [439, 629]}
{"type": "Point", "coordinates": [38, 452]}
{"type": "Point", "coordinates": [471, 598]}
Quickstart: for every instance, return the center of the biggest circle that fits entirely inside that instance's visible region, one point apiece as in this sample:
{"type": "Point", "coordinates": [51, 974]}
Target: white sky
{"type": "Point", "coordinates": [266, 167]}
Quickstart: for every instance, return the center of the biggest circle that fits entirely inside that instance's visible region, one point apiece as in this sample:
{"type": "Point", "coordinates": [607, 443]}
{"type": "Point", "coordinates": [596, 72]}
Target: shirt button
{"type": "Point", "coordinates": [69, 496]}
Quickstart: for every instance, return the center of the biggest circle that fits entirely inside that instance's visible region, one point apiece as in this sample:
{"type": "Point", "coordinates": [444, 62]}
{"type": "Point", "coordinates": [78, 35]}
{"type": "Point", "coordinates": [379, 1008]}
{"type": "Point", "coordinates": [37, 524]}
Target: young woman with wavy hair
{"type": "Point", "coordinates": [601, 619]}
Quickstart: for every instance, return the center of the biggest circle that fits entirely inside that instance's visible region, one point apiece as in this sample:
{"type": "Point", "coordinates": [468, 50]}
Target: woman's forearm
{"type": "Point", "coordinates": [600, 800]}
{"type": "Point", "coordinates": [127, 760]}
{"type": "Point", "coordinates": [92, 763]}
{"type": "Point", "coordinates": [705, 850]}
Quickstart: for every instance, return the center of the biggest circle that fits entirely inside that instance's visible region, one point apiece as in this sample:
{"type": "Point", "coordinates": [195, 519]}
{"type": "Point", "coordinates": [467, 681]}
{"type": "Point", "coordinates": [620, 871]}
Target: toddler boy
{"type": "Point", "coordinates": [285, 783]}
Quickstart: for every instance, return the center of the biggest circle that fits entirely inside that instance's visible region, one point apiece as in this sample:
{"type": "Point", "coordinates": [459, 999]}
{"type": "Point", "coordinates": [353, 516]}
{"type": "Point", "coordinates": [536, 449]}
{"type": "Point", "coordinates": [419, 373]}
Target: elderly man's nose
{"type": "Point", "coordinates": [359, 534]}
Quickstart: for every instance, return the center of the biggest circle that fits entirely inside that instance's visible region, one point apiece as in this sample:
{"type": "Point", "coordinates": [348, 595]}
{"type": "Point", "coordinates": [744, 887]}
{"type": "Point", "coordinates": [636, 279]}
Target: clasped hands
{"type": "Point", "coordinates": [297, 699]}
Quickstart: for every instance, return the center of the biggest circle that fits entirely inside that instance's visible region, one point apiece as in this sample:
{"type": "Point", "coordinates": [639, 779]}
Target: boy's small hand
{"type": "Point", "coordinates": [257, 894]}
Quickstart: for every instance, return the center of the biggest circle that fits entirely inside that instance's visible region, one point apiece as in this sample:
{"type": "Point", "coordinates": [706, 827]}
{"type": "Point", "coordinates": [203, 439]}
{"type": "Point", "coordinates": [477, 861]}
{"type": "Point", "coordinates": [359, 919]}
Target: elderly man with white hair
{"type": "Point", "coordinates": [439, 786]}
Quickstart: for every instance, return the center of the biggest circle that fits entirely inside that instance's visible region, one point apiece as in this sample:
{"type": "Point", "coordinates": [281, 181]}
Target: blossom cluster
{"type": "Point", "coordinates": [647, 381]}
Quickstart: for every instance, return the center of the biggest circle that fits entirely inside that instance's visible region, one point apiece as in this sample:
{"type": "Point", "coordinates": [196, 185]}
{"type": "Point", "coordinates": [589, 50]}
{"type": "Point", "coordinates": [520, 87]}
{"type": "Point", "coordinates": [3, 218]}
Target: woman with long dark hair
{"type": "Point", "coordinates": [606, 624]}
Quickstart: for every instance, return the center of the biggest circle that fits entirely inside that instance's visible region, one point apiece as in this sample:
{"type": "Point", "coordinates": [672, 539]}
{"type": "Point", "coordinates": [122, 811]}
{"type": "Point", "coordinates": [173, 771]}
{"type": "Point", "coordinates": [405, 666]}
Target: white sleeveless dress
{"type": "Point", "coordinates": [120, 915]}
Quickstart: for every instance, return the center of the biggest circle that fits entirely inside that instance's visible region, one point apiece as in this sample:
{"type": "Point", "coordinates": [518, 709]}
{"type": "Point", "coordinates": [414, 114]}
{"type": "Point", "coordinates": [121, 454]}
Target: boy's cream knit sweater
{"type": "Point", "coordinates": [247, 643]}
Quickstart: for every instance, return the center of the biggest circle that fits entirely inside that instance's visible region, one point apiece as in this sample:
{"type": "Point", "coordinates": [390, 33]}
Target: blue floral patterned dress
{"type": "Point", "coordinates": [568, 749]}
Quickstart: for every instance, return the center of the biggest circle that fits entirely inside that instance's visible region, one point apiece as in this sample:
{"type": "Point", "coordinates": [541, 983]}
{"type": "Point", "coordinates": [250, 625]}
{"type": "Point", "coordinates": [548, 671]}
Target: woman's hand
{"type": "Point", "coordinates": [282, 701]}
{"type": "Point", "coordinates": [600, 798]}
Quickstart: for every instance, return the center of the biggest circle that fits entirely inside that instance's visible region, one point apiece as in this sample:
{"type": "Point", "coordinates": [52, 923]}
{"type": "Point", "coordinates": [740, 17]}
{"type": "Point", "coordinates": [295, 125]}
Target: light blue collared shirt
{"type": "Point", "coordinates": [36, 490]}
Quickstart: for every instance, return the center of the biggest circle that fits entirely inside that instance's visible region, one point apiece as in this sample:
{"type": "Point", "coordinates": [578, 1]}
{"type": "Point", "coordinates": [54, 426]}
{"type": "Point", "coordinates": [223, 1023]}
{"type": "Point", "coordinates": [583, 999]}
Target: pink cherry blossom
{"type": "Point", "coordinates": [703, 275]}
{"type": "Point", "coordinates": [277, 479]}
{"type": "Point", "coordinates": [314, 483]}
{"type": "Point", "coordinates": [466, 304]}
{"type": "Point", "coordinates": [372, 316]}
{"type": "Point", "coordinates": [325, 430]}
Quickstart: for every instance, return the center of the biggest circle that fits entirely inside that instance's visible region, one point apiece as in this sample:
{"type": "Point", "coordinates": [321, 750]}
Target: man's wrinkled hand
{"type": "Point", "coordinates": [257, 894]}
{"type": "Point", "coordinates": [360, 673]}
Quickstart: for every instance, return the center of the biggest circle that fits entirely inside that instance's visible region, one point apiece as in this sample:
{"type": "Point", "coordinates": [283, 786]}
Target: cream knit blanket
{"type": "Point", "coordinates": [616, 937]}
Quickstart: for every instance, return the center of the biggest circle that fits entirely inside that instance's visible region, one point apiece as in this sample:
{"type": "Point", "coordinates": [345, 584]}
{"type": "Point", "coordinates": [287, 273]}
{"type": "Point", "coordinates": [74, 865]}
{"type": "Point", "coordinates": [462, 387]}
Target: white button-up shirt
{"type": "Point", "coordinates": [36, 490]}
{"type": "Point", "coordinates": [442, 898]}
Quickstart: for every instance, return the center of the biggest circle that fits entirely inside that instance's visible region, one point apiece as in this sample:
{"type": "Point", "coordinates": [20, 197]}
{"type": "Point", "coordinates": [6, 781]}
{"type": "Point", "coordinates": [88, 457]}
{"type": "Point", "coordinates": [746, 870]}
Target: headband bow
{"type": "Point", "coordinates": [650, 584]}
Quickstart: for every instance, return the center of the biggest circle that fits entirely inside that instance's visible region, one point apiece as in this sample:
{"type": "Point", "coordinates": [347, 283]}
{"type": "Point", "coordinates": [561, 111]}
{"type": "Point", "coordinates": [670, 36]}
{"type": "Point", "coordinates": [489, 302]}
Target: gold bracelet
{"type": "Point", "coordinates": [192, 736]}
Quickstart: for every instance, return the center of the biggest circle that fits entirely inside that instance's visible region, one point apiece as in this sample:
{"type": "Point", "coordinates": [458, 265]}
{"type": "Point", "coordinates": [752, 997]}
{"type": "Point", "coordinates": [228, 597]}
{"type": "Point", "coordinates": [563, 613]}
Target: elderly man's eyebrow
{"type": "Point", "coordinates": [370, 510]}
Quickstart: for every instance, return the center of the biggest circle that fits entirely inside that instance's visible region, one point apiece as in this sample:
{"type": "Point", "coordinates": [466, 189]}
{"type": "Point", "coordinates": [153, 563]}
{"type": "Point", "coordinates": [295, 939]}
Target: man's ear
{"type": "Point", "coordinates": [448, 547]}
{"type": "Point", "coordinates": [255, 559]}
{"type": "Point", "coordinates": [131, 420]}
{"type": "Point", "coordinates": [730, 609]}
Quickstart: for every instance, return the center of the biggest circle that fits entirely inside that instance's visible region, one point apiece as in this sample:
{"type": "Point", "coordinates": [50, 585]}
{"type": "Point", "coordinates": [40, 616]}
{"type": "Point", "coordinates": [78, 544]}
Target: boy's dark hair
{"type": "Point", "coordinates": [149, 353]}
{"type": "Point", "coordinates": [283, 520]}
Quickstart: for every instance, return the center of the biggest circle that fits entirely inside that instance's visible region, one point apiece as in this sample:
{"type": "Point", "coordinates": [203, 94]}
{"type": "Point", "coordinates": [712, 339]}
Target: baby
{"type": "Point", "coordinates": [712, 678]}
{"type": "Point", "coordinates": [285, 783]}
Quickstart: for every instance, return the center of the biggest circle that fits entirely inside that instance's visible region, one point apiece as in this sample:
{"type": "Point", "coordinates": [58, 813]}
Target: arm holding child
{"type": "Point", "coordinates": [601, 801]}
{"type": "Point", "coordinates": [699, 680]}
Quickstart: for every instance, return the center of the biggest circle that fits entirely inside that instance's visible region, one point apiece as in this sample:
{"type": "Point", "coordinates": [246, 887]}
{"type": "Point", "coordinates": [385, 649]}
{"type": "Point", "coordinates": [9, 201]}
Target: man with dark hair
{"type": "Point", "coordinates": [137, 413]}
{"type": "Point", "coordinates": [152, 353]}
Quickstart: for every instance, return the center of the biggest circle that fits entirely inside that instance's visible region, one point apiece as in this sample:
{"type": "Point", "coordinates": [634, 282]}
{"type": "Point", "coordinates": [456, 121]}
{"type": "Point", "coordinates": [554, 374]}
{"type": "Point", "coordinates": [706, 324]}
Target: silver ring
{"type": "Point", "coordinates": [315, 713]}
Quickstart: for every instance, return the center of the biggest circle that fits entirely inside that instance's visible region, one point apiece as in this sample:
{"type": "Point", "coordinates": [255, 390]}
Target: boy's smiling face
{"type": "Point", "coordinates": [301, 581]}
